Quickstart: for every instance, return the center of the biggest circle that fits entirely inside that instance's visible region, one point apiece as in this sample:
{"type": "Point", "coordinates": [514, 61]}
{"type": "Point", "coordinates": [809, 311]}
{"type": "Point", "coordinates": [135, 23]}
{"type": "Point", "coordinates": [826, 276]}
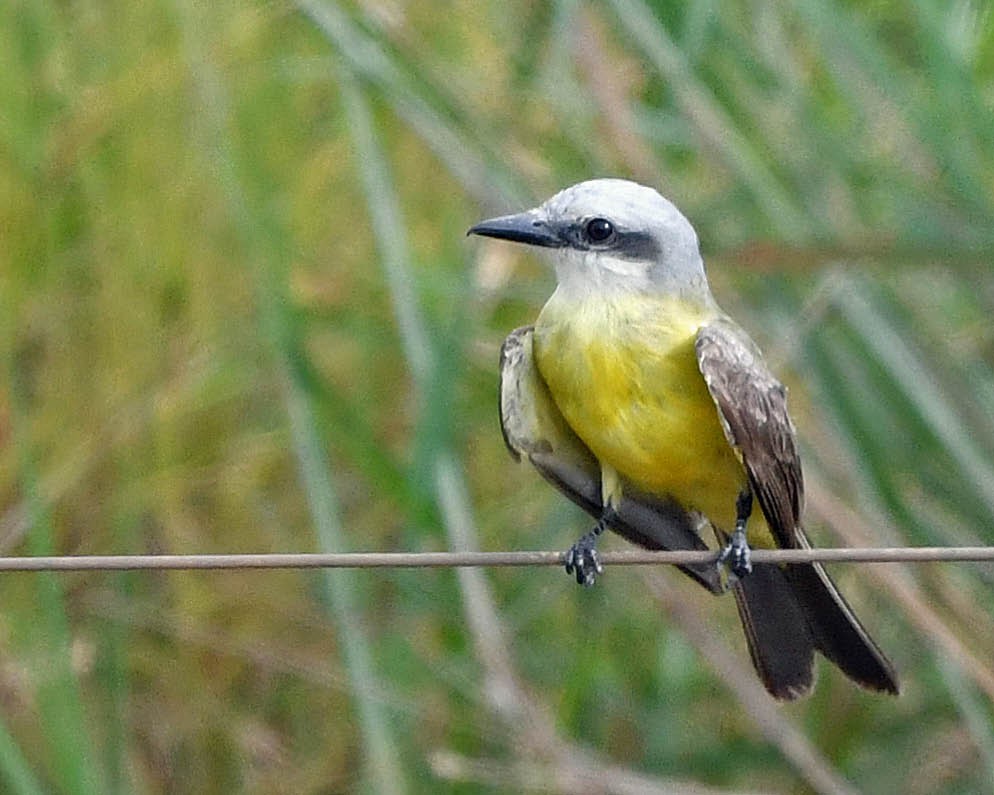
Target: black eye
{"type": "Point", "coordinates": [599, 230]}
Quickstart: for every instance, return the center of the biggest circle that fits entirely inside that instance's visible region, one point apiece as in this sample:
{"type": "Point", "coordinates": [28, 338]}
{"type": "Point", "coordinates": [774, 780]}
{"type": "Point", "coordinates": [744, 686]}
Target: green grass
{"type": "Point", "coordinates": [238, 313]}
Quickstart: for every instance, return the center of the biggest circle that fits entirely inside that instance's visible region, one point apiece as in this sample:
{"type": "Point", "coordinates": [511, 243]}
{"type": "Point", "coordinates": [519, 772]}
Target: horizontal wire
{"type": "Point", "coordinates": [411, 560]}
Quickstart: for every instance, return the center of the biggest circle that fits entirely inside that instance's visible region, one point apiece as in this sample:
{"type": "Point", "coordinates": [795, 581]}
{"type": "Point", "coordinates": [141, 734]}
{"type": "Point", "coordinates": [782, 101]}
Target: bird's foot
{"type": "Point", "coordinates": [581, 558]}
{"type": "Point", "coordinates": [737, 554]}
{"type": "Point", "coordinates": [736, 551]}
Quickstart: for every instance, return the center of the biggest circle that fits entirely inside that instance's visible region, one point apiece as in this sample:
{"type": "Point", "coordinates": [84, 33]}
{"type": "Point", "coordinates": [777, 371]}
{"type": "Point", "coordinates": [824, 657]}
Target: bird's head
{"type": "Point", "coordinates": [610, 234]}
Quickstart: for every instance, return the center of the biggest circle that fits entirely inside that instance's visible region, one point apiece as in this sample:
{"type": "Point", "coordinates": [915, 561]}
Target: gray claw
{"type": "Point", "coordinates": [581, 560]}
{"type": "Point", "coordinates": [737, 554]}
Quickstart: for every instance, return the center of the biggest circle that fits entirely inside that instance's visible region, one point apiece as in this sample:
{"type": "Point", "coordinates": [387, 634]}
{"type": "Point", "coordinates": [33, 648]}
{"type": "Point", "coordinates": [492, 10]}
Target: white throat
{"type": "Point", "coordinates": [584, 275]}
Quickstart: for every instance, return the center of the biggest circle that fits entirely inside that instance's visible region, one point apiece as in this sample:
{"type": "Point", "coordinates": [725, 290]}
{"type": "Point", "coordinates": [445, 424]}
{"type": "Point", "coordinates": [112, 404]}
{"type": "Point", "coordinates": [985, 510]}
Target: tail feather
{"type": "Point", "coordinates": [788, 613]}
{"type": "Point", "coordinates": [836, 631]}
{"type": "Point", "coordinates": [776, 630]}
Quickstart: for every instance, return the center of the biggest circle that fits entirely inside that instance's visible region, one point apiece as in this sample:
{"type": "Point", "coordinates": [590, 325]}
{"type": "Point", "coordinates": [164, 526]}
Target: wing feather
{"type": "Point", "coordinates": [752, 405]}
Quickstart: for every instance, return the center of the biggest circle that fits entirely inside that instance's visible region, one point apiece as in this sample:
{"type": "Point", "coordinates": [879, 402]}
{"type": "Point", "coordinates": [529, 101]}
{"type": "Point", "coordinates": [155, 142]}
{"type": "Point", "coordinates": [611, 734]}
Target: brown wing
{"type": "Point", "coordinates": [534, 429]}
{"type": "Point", "coordinates": [752, 405]}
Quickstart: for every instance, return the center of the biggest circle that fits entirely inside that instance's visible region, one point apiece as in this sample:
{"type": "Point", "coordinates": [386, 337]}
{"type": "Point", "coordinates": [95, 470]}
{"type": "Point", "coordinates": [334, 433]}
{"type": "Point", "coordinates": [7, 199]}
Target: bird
{"type": "Point", "coordinates": [642, 401]}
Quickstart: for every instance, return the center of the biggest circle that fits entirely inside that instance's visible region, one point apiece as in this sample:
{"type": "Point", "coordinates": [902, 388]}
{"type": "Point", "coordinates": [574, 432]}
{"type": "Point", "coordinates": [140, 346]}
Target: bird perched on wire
{"type": "Point", "coordinates": [644, 403]}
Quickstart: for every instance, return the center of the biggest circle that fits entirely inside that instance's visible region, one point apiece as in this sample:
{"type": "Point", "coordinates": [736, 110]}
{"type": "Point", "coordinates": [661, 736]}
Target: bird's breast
{"type": "Point", "coordinates": [623, 372]}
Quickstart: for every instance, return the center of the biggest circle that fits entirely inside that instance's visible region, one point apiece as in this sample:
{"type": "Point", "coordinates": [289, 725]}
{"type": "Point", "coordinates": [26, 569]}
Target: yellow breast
{"type": "Point", "coordinates": [624, 373]}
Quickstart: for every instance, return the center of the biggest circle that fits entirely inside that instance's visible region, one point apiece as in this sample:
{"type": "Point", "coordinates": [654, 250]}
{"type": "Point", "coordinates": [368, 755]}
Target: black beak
{"type": "Point", "coordinates": [521, 228]}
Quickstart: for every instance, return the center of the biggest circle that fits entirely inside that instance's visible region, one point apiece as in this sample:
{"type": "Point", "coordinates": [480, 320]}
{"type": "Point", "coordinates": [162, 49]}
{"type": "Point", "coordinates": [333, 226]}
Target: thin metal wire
{"type": "Point", "coordinates": [409, 560]}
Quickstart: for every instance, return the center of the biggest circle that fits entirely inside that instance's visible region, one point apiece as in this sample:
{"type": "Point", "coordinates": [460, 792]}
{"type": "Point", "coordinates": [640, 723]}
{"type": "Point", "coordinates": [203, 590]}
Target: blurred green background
{"type": "Point", "coordinates": [238, 313]}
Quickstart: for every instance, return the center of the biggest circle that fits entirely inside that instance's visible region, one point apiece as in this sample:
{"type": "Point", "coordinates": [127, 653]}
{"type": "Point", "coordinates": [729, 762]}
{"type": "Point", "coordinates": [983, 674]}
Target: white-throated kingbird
{"type": "Point", "coordinates": [645, 404]}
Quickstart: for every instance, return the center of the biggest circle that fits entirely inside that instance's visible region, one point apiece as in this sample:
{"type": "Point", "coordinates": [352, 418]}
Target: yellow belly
{"type": "Point", "coordinates": [624, 373]}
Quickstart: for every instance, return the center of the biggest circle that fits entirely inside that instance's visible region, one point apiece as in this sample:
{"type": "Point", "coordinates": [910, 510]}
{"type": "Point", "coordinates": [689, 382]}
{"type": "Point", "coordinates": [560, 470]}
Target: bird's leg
{"type": "Point", "coordinates": [581, 558]}
{"type": "Point", "coordinates": [737, 550]}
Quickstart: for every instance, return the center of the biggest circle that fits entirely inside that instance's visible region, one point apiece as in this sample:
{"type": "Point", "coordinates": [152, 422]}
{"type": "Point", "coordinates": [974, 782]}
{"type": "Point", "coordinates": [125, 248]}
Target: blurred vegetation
{"type": "Point", "coordinates": [238, 313]}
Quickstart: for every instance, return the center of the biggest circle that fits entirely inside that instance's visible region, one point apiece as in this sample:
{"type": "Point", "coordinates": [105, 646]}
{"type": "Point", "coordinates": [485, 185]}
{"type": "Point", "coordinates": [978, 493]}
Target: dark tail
{"type": "Point", "coordinates": [790, 612]}
{"type": "Point", "coordinates": [776, 630]}
{"type": "Point", "coordinates": [837, 632]}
